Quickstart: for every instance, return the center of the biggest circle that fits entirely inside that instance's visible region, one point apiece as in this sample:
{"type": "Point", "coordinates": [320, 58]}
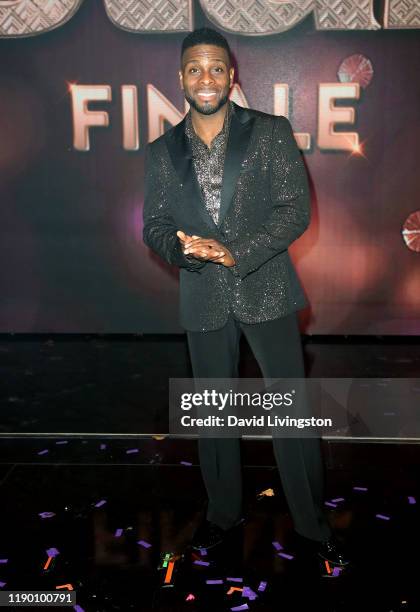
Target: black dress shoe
{"type": "Point", "coordinates": [208, 534]}
{"type": "Point", "coordinates": [332, 551]}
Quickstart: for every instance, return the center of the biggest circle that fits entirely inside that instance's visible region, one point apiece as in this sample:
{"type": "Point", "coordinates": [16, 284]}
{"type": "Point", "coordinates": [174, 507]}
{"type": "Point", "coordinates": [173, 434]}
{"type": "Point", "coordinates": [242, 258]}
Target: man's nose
{"type": "Point", "coordinates": [206, 77]}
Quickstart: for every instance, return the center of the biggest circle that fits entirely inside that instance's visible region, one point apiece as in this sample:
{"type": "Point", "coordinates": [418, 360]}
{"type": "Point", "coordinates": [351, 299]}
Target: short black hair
{"type": "Point", "coordinates": [205, 36]}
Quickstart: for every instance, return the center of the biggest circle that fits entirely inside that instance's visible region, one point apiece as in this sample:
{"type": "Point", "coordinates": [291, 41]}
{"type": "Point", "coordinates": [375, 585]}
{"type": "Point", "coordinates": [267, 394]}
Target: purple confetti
{"type": "Point", "coordinates": [43, 452]}
{"type": "Point", "coordinates": [130, 451]}
{"type": "Point", "coordinates": [337, 499]}
{"type": "Point", "coordinates": [52, 552]}
{"type": "Point", "coordinates": [144, 543]}
{"type": "Point", "coordinates": [203, 552]}
{"type": "Point", "coordinates": [214, 581]}
{"type": "Point", "coordinates": [286, 556]}
{"type": "Point", "coordinates": [102, 447]}
{"type": "Point", "coordinates": [262, 586]}
{"type": "Point", "coordinates": [100, 503]}
{"type": "Point", "coordinates": [336, 571]}
{"type": "Point", "coordinates": [243, 607]}
{"type": "Point", "coordinates": [78, 608]}
{"type": "Point", "coordinates": [199, 562]}
{"type": "Point", "coordinates": [46, 514]}
{"type": "Point", "coordinates": [277, 545]}
{"type": "Point", "coordinates": [62, 442]}
{"type": "Point", "coordinates": [249, 593]}
{"type": "Point", "coordinates": [360, 488]}
{"type": "Point", "coordinates": [4, 560]}
{"type": "Point", "coordinates": [331, 504]}
{"type": "Point", "coordinates": [235, 579]}
{"type": "Point", "coordinates": [411, 499]}
{"type": "Point", "coordinates": [2, 584]}
{"type": "Point", "coordinates": [118, 533]}
{"type": "Point", "coordinates": [185, 463]}
{"type": "Point", "coordinates": [383, 517]}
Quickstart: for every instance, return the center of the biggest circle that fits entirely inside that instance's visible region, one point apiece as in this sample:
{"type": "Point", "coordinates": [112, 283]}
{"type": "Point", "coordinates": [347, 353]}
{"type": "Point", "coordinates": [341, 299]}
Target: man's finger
{"type": "Point", "coordinates": [202, 242]}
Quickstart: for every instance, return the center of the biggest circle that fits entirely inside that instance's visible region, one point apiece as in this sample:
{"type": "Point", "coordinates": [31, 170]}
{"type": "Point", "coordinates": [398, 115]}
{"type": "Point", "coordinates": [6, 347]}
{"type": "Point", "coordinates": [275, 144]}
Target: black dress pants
{"type": "Point", "coordinates": [276, 345]}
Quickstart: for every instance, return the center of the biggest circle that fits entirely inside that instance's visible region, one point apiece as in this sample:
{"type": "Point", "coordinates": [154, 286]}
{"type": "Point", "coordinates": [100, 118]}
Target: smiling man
{"type": "Point", "coordinates": [226, 194]}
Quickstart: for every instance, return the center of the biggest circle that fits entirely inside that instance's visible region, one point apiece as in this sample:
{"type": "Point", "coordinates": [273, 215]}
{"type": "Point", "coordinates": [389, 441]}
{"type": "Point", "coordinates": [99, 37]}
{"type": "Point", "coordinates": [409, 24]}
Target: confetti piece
{"type": "Point", "coordinates": [68, 586]}
{"type": "Point", "coordinates": [277, 545]}
{"type": "Point", "coordinates": [62, 442]}
{"type": "Point", "coordinates": [118, 533]}
{"type": "Point", "coordinates": [286, 556]}
{"type": "Point", "coordinates": [169, 572]}
{"type": "Point", "coordinates": [331, 504]}
{"type": "Point", "coordinates": [215, 581]}
{"type": "Point", "coordinates": [235, 579]}
{"type": "Point", "coordinates": [158, 437]}
{"type": "Point", "coordinates": [47, 564]}
{"type": "Point", "coordinates": [4, 560]}
{"type": "Point", "coordinates": [411, 499]}
{"type": "Point", "coordinates": [130, 451]}
{"type": "Point", "coordinates": [360, 488]}
{"type": "Point", "coordinates": [383, 517]}
{"type": "Point", "coordinates": [144, 543]}
{"type": "Point", "coordinates": [43, 452]}
{"type": "Point", "coordinates": [266, 493]}
{"type": "Point", "coordinates": [185, 463]}
{"type": "Point", "coordinates": [327, 565]}
{"type": "Point", "coordinates": [199, 562]}
{"type": "Point", "coordinates": [338, 499]}
{"type": "Point", "coordinates": [190, 597]}
{"type": "Point", "coordinates": [249, 593]}
{"type": "Point", "coordinates": [52, 552]}
{"type": "Point", "coordinates": [336, 571]}
{"type": "Point", "coordinates": [44, 515]}
{"type": "Point", "coordinates": [203, 552]}
{"type": "Point", "coordinates": [78, 608]}
{"type": "Point", "coordinates": [238, 608]}
{"type": "Point", "coordinates": [100, 503]}
{"type": "Point", "coordinates": [2, 584]}
{"type": "Point", "coordinates": [233, 589]}
{"type": "Point", "coordinates": [262, 586]}
{"type": "Point", "coordinates": [102, 447]}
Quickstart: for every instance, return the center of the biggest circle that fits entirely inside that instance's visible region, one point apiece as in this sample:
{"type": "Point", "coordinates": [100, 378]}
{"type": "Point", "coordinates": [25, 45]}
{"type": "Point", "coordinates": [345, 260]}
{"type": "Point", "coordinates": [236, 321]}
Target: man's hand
{"type": "Point", "coordinates": [206, 249]}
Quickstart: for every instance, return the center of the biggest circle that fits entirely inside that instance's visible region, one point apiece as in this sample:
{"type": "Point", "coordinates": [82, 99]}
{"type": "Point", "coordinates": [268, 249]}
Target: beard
{"type": "Point", "coordinates": [206, 108]}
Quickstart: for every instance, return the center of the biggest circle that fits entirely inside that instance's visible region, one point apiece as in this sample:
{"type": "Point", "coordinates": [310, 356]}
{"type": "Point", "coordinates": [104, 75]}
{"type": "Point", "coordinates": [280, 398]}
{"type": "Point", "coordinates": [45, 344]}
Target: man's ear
{"type": "Point", "coordinates": [180, 79]}
{"type": "Point", "coordinates": [231, 75]}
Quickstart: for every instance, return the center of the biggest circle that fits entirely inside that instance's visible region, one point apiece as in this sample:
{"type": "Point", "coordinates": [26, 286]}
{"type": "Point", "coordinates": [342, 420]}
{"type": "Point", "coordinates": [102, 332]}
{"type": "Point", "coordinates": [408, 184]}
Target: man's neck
{"type": "Point", "coordinates": [208, 126]}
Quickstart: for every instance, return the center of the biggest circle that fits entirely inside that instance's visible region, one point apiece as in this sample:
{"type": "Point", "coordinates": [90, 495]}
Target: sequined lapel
{"type": "Point", "coordinates": [240, 131]}
{"type": "Point", "coordinates": [179, 148]}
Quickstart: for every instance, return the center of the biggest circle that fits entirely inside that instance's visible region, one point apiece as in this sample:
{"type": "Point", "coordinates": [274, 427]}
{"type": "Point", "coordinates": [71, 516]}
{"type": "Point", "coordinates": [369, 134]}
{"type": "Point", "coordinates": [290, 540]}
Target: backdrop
{"type": "Point", "coordinates": [85, 85]}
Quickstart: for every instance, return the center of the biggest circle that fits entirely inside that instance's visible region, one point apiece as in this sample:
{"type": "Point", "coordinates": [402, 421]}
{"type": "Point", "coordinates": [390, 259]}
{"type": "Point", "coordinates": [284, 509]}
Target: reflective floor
{"type": "Point", "coordinates": [107, 512]}
{"type": "Point", "coordinates": [101, 509]}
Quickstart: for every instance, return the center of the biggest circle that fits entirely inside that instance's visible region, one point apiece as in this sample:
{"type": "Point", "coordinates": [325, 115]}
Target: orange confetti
{"type": "Point", "coordinates": [47, 563]}
{"type": "Point", "coordinates": [169, 571]}
{"type": "Point", "coordinates": [68, 586]}
{"type": "Point", "coordinates": [233, 589]}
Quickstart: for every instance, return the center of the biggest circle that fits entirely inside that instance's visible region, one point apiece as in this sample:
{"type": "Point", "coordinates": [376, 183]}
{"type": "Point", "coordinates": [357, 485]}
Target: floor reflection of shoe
{"type": "Point", "coordinates": [208, 534]}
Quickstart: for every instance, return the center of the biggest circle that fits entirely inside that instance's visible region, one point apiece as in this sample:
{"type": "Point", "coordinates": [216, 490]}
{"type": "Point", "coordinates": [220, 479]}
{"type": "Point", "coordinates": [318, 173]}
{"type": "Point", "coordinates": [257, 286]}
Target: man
{"type": "Point", "coordinates": [226, 193]}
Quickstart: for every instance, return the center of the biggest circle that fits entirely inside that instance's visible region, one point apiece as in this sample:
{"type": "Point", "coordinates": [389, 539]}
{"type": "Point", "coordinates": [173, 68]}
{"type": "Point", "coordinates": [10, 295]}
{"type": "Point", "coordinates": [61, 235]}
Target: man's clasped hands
{"type": "Point", "coordinates": [205, 249]}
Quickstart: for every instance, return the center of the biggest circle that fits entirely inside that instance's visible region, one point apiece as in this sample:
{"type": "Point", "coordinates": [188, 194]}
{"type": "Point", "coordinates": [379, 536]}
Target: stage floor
{"type": "Point", "coordinates": [117, 499]}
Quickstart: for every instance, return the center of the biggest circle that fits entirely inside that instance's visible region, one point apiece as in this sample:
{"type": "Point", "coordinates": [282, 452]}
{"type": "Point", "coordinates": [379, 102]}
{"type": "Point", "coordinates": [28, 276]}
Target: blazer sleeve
{"type": "Point", "coordinates": [290, 205]}
{"type": "Point", "coordinates": [159, 230]}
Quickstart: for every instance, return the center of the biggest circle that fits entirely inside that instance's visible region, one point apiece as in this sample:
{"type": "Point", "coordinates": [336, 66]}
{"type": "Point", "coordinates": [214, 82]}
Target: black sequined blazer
{"type": "Point", "coordinates": [265, 206]}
